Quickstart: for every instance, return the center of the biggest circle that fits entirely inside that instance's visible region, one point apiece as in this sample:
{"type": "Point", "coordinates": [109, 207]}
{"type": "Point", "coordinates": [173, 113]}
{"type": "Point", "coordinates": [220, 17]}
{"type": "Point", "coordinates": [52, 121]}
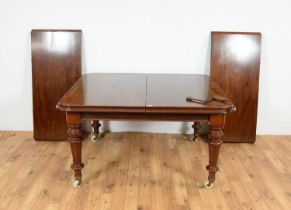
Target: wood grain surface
{"type": "Point", "coordinates": [155, 93]}
{"type": "Point", "coordinates": [235, 66]}
{"type": "Point", "coordinates": [168, 92]}
{"type": "Point", "coordinates": [105, 91]}
{"type": "Point", "coordinates": [56, 65]}
{"type": "Point", "coordinates": [143, 171]}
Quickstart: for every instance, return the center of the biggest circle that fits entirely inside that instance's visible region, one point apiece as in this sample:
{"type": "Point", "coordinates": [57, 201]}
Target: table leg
{"type": "Point", "coordinates": [196, 126]}
{"type": "Point", "coordinates": [216, 125]}
{"type": "Point", "coordinates": [75, 138]}
{"type": "Point", "coordinates": [96, 134]}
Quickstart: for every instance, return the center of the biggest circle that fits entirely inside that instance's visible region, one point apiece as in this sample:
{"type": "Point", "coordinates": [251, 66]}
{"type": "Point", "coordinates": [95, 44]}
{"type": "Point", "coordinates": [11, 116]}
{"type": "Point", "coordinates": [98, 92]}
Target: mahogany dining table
{"type": "Point", "coordinates": [144, 97]}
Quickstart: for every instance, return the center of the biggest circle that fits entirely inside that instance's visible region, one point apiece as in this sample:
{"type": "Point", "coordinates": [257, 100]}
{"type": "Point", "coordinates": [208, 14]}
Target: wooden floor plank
{"type": "Point", "coordinates": [144, 171]}
{"type": "Point", "coordinates": [144, 187]}
{"type": "Point", "coordinates": [157, 197]}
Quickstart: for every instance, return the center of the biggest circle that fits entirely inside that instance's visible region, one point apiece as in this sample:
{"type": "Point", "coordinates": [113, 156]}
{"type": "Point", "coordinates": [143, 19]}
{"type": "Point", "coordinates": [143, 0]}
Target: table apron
{"type": "Point", "coordinates": [179, 117]}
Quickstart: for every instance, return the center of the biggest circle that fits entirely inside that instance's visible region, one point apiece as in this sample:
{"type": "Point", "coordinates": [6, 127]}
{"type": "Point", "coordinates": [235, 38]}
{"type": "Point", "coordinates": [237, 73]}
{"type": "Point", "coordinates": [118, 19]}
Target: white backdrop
{"type": "Point", "coordinates": [154, 36]}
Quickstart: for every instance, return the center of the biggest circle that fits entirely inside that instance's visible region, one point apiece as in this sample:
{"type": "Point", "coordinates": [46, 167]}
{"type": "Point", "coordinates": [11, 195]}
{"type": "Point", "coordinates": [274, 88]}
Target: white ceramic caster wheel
{"type": "Point", "coordinates": [77, 183]}
{"type": "Point", "coordinates": [208, 184]}
{"type": "Point", "coordinates": [94, 138]}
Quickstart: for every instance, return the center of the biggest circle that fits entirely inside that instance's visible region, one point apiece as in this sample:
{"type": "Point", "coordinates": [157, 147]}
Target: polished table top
{"type": "Point", "coordinates": [127, 92]}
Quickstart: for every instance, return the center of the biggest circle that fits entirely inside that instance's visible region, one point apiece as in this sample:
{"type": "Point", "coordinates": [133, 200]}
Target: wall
{"type": "Point", "coordinates": [165, 36]}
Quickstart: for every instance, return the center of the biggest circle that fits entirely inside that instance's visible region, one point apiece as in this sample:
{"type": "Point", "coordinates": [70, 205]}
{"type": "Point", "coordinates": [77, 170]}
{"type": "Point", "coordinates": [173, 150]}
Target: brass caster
{"type": "Point", "coordinates": [208, 184]}
{"type": "Point", "coordinates": [94, 138]}
{"type": "Point", "coordinates": [194, 139]}
{"type": "Point", "coordinates": [77, 183]}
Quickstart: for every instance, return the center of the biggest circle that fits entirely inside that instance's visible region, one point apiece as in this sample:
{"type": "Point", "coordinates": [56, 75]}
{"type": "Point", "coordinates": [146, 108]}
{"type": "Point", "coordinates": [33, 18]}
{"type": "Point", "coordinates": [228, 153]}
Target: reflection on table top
{"type": "Point", "coordinates": [142, 92]}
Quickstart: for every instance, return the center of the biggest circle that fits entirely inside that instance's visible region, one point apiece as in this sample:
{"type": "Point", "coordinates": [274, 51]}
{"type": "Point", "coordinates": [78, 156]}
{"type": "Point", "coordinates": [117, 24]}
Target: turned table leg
{"type": "Point", "coordinates": [196, 126]}
{"type": "Point", "coordinates": [75, 138]}
{"type": "Point", "coordinates": [96, 134]}
{"type": "Point", "coordinates": [215, 140]}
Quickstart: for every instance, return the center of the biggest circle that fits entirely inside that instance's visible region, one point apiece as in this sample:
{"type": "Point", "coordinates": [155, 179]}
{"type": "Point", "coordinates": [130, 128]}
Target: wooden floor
{"type": "Point", "coordinates": [141, 171]}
